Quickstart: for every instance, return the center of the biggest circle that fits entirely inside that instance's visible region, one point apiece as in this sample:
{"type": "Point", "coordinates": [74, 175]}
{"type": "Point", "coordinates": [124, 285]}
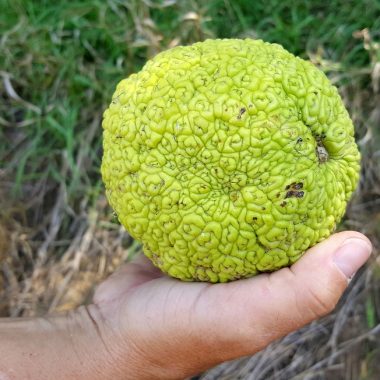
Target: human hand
{"type": "Point", "coordinates": [144, 325]}
{"type": "Point", "coordinates": [156, 327]}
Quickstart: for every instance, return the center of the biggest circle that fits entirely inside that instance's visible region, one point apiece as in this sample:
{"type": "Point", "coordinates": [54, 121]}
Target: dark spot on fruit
{"type": "Point", "coordinates": [241, 112]}
{"type": "Point", "coordinates": [294, 193]}
{"type": "Point", "coordinates": [283, 204]}
{"type": "Point", "coordinates": [263, 208]}
{"type": "Point", "coordinates": [278, 195]}
{"type": "Point", "coordinates": [299, 140]}
{"type": "Point", "coordinates": [294, 186]}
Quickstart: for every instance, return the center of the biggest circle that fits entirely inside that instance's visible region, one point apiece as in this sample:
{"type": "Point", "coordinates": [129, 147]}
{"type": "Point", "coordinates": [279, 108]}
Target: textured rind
{"type": "Point", "coordinates": [211, 158]}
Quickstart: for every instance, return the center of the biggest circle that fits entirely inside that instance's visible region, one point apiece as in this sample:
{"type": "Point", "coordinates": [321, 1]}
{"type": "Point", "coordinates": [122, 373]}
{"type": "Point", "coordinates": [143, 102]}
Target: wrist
{"type": "Point", "coordinates": [63, 346]}
{"type": "Point", "coordinates": [109, 352]}
{"type": "Point", "coordinates": [136, 353]}
{"type": "Point", "coordinates": [95, 344]}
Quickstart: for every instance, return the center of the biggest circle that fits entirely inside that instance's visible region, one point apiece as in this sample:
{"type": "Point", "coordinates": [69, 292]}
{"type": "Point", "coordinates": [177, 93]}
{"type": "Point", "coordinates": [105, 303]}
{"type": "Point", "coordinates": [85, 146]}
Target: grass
{"type": "Point", "coordinates": [65, 58]}
{"type": "Point", "coordinates": [59, 64]}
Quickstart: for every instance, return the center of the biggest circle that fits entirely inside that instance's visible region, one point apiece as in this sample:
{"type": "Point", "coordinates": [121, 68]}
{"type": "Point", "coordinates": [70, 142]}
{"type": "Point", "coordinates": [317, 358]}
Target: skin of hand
{"type": "Point", "coordinates": [145, 325]}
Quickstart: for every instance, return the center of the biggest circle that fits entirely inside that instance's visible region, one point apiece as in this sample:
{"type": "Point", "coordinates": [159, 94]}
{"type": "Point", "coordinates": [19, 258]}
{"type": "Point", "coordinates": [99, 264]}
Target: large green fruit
{"type": "Point", "coordinates": [228, 158]}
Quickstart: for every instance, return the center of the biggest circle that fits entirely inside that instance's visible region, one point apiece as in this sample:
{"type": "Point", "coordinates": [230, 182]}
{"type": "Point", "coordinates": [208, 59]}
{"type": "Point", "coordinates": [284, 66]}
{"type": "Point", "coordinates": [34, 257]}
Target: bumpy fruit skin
{"type": "Point", "coordinates": [228, 158]}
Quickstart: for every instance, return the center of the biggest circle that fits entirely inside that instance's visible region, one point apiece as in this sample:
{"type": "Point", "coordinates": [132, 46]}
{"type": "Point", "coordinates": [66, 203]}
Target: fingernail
{"type": "Point", "coordinates": [352, 255]}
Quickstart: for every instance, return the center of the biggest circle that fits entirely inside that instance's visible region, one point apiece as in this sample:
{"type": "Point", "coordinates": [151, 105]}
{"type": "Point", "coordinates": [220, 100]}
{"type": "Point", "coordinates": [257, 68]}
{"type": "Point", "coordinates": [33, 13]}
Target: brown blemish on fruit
{"type": "Point", "coordinates": [294, 186]}
{"type": "Point", "coordinates": [241, 112]}
{"type": "Point", "coordinates": [294, 193]}
{"type": "Point", "coordinates": [321, 150]}
{"type": "Point", "coordinates": [293, 190]}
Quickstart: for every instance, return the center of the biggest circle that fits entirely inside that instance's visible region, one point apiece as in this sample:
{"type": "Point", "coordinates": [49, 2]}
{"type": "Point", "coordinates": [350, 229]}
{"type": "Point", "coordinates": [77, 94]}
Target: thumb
{"type": "Point", "coordinates": [323, 273]}
{"type": "Point", "coordinates": [268, 307]}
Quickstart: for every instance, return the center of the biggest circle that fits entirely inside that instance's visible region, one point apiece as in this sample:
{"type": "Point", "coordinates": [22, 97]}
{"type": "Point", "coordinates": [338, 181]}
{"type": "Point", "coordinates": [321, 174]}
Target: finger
{"type": "Point", "coordinates": [139, 270]}
{"type": "Point", "coordinates": [247, 315]}
{"type": "Point", "coordinates": [141, 265]}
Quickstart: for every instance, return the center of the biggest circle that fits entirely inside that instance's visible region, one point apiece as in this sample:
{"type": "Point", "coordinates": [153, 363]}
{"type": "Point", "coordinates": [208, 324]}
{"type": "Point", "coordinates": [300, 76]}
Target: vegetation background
{"type": "Point", "coordinates": [59, 64]}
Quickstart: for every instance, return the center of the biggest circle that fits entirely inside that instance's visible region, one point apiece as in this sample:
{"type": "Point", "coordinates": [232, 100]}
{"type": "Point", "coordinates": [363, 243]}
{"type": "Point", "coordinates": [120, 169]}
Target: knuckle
{"type": "Point", "coordinates": [321, 301]}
